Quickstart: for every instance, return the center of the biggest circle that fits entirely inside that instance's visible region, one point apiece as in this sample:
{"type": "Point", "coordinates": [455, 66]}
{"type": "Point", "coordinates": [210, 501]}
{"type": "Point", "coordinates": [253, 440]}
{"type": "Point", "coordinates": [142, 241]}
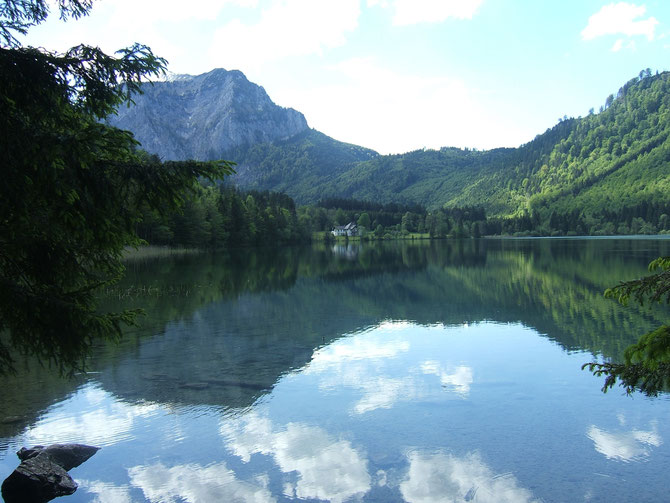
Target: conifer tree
{"type": "Point", "coordinates": [646, 365]}
{"type": "Point", "coordinates": [73, 189]}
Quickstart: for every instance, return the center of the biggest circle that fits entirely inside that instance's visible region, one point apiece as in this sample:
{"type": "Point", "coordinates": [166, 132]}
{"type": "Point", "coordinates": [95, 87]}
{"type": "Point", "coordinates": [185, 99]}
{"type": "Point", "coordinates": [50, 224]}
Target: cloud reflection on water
{"type": "Point", "coordinates": [364, 362]}
{"type": "Point", "coordinates": [105, 492]}
{"type": "Point", "coordinates": [459, 380]}
{"type": "Point", "coordinates": [91, 416]}
{"type": "Point", "coordinates": [359, 347]}
{"type": "Point", "coordinates": [435, 478]}
{"type": "Point", "coordinates": [196, 483]}
{"type": "Point", "coordinates": [624, 445]}
{"type": "Point", "coordinates": [327, 468]}
{"type": "Point", "coordinates": [381, 392]}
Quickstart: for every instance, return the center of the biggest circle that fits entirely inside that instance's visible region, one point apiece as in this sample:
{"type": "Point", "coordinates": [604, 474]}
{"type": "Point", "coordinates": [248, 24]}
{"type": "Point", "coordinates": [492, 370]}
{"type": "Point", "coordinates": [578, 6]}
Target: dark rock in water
{"type": "Point", "coordinates": [37, 479]}
{"type": "Point", "coordinates": [69, 456]}
{"type": "Point", "coordinates": [11, 419]}
{"type": "Point", "coordinates": [42, 474]}
{"type": "Point", "coordinates": [24, 453]}
{"type": "Point", "coordinates": [237, 384]}
{"type": "Point", "coordinates": [156, 377]}
{"type": "Point", "coordinates": [194, 385]}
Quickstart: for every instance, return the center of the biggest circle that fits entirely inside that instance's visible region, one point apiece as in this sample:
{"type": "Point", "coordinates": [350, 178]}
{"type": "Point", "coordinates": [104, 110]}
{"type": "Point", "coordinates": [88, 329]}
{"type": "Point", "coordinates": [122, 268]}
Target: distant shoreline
{"type": "Point", "coordinates": [152, 251]}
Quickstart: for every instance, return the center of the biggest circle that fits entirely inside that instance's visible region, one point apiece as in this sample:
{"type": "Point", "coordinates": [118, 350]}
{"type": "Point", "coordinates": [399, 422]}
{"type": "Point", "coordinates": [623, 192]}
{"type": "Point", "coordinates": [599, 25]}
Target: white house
{"type": "Point", "coordinates": [351, 229]}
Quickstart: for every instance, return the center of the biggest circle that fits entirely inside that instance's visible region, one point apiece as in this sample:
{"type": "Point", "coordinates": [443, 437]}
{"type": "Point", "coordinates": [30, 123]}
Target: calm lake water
{"type": "Point", "coordinates": [444, 371]}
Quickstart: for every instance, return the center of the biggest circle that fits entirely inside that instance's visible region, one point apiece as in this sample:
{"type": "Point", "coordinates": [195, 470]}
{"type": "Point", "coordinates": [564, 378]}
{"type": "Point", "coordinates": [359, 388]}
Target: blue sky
{"type": "Point", "coordinates": [399, 75]}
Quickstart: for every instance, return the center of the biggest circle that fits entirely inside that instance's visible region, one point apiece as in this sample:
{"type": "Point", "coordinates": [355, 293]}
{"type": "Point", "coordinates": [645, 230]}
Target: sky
{"type": "Point", "coordinates": [398, 75]}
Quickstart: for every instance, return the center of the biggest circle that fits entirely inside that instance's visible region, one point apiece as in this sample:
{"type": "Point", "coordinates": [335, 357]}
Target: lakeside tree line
{"type": "Point", "coordinates": [221, 216]}
{"type": "Point", "coordinates": [224, 217]}
{"type": "Point", "coordinates": [642, 218]}
{"type": "Point", "coordinates": [218, 216]}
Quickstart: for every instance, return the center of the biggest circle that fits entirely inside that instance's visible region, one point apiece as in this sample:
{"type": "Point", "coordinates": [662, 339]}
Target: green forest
{"type": "Point", "coordinates": [606, 173]}
{"type": "Point", "coordinates": [603, 174]}
{"type": "Point", "coordinates": [221, 216]}
{"type": "Point", "coordinates": [216, 217]}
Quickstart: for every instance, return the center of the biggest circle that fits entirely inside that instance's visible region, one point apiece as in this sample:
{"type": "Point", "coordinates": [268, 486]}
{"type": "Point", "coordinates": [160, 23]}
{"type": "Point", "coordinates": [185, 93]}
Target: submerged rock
{"type": "Point", "coordinates": [11, 419]}
{"type": "Point", "coordinates": [194, 385]}
{"type": "Point", "coordinates": [237, 384]}
{"type": "Point", "coordinates": [42, 474]}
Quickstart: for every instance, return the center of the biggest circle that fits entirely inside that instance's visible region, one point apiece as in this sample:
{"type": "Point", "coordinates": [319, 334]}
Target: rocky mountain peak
{"type": "Point", "coordinates": [201, 117]}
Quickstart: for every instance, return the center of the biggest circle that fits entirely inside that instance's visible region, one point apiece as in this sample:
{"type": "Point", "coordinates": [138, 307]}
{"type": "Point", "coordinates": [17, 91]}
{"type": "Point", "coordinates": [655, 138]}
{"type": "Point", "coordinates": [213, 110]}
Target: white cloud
{"type": "Point", "coordinates": [196, 484]}
{"type": "Point", "coordinates": [620, 19]}
{"type": "Point", "coordinates": [624, 445]}
{"type": "Point", "coordinates": [327, 468]}
{"type": "Point", "coordinates": [397, 111]}
{"type": "Point", "coordinates": [358, 362]}
{"type": "Point", "coordinates": [171, 30]}
{"type": "Point", "coordinates": [377, 391]}
{"type": "Point", "coordinates": [287, 28]}
{"type": "Point", "coordinates": [445, 478]}
{"type": "Point", "coordinates": [112, 24]}
{"type": "Point", "coordinates": [623, 44]}
{"type": "Point", "coordinates": [355, 362]}
{"type": "Point", "coordinates": [380, 392]}
{"type": "Point", "coordinates": [138, 12]}
{"type": "Point", "coordinates": [408, 12]}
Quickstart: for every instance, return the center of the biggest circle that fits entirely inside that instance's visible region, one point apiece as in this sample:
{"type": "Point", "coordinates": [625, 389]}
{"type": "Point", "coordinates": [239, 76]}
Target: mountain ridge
{"type": "Point", "coordinates": [200, 117]}
{"type": "Point", "coordinates": [610, 161]}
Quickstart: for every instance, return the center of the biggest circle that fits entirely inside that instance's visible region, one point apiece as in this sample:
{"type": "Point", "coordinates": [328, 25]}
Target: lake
{"type": "Point", "coordinates": [418, 372]}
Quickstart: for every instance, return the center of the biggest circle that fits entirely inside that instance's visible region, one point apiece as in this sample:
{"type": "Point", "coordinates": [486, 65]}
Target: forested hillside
{"type": "Point", "coordinates": [613, 166]}
{"type": "Point", "coordinates": [605, 173]}
{"type": "Point", "coordinates": [614, 161]}
{"type": "Point", "coordinates": [300, 166]}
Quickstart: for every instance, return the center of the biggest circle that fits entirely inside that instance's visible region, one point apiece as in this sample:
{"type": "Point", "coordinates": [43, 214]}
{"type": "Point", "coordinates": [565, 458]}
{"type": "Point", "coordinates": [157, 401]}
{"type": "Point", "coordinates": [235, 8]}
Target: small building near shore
{"type": "Point", "coordinates": [351, 229]}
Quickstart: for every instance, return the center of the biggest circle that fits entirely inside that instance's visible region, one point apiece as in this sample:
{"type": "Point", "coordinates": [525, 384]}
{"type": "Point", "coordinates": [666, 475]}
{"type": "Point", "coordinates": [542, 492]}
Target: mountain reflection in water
{"type": "Point", "coordinates": [396, 372]}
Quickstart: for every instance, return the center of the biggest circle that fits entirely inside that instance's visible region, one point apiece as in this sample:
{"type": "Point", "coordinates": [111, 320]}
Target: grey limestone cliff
{"type": "Point", "coordinates": [201, 117]}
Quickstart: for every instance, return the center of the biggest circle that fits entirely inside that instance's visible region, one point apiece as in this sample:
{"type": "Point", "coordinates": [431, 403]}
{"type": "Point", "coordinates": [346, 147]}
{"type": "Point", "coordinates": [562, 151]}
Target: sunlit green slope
{"type": "Point", "coordinates": [301, 166]}
{"type": "Point", "coordinates": [610, 160]}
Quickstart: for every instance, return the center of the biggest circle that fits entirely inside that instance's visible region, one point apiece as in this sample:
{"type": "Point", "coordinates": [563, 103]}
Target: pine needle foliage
{"type": "Point", "coordinates": [646, 365]}
{"type": "Point", "coordinates": [72, 187]}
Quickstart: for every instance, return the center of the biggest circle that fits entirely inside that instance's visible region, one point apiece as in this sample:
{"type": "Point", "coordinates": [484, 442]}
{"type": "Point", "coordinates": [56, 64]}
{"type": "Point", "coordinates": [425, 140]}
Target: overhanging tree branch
{"type": "Point", "coordinates": [646, 365]}
{"type": "Point", "coordinates": [73, 188]}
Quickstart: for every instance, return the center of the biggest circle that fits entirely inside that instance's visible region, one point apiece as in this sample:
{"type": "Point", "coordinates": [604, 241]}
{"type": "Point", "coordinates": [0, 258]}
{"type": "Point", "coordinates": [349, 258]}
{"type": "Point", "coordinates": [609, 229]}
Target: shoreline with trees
{"type": "Point", "coordinates": [219, 216]}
